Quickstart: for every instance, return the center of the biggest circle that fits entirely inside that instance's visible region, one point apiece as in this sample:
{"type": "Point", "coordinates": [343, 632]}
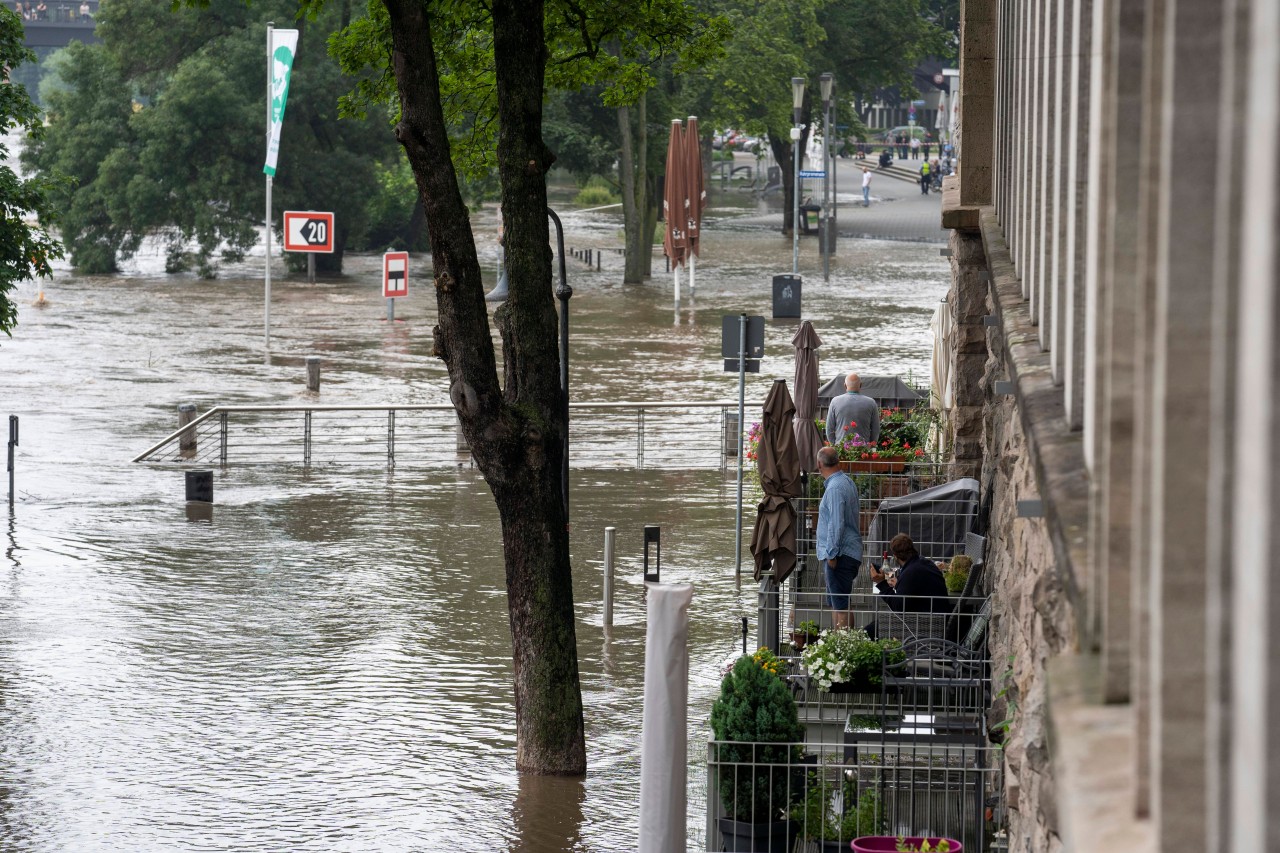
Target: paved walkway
{"type": "Point", "coordinates": [898, 210]}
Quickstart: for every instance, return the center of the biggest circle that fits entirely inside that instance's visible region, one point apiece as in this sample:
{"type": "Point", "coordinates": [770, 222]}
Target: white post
{"type": "Point", "coordinates": [693, 268]}
{"type": "Point", "coordinates": [266, 290]}
{"type": "Point", "coordinates": [664, 736]}
{"type": "Point", "coordinates": [608, 576]}
{"type": "Point", "coordinates": [675, 271]}
{"type": "Point", "coordinates": [742, 397]}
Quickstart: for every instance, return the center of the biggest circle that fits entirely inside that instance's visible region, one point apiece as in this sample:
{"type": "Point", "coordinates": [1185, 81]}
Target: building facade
{"type": "Point", "coordinates": [1115, 248]}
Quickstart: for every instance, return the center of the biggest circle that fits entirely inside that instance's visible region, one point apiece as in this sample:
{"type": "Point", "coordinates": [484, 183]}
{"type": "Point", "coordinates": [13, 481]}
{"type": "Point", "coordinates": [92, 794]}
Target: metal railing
{"type": "Point", "coordinates": [819, 796]}
{"type": "Point", "coordinates": [602, 435]}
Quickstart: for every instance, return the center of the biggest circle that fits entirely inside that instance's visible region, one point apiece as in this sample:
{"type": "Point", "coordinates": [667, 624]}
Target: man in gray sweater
{"type": "Point", "coordinates": [855, 412]}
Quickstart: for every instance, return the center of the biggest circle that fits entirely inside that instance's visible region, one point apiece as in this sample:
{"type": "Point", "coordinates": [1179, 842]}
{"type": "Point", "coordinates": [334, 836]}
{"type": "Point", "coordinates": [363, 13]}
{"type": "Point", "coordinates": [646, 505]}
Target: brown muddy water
{"type": "Point", "coordinates": [326, 666]}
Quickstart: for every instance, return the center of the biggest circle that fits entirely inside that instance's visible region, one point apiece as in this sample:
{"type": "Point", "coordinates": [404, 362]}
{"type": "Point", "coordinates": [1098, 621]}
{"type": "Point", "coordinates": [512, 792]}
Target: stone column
{"type": "Point", "coordinates": [1255, 677]}
{"type": "Point", "coordinates": [968, 303]}
{"type": "Point", "coordinates": [1220, 580]}
{"type": "Point", "coordinates": [977, 83]}
{"type": "Point", "coordinates": [1190, 82]}
{"type": "Point", "coordinates": [1077, 194]}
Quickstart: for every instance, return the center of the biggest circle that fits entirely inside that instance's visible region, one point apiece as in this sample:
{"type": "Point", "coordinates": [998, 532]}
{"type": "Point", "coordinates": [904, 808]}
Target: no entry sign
{"type": "Point", "coordinates": [395, 274]}
{"type": "Point", "coordinates": [308, 231]}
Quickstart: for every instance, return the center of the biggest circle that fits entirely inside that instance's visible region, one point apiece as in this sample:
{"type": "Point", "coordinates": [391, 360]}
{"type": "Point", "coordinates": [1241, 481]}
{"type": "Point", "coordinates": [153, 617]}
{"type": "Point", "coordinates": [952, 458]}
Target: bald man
{"type": "Point", "coordinates": [855, 412]}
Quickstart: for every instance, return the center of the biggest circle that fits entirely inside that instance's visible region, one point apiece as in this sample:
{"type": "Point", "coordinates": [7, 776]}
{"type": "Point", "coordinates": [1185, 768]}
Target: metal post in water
{"type": "Point", "coordinates": [608, 576]}
{"type": "Point", "coordinates": [391, 309]}
{"type": "Point", "coordinates": [187, 443]}
{"type": "Point", "coordinates": [266, 277]}
{"type": "Point", "coordinates": [313, 373]}
{"type": "Point", "coordinates": [742, 401]}
{"type": "Point", "coordinates": [311, 268]}
{"type": "Point", "coordinates": [13, 442]}
{"type": "Point", "coordinates": [744, 635]}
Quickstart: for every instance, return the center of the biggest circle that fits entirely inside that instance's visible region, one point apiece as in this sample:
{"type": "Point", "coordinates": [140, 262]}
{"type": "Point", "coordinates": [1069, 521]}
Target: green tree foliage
{"type": "Point", "coordinates": [25, 249]}
{"type": "Point", "coordinates": [161, 128]}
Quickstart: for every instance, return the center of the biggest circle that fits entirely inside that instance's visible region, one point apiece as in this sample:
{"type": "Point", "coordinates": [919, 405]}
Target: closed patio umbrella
{"type": "Point", "coordinates": [773, 542]}
{"type": "Point", "coordinates": [808, 440]}
{"type": "Point", "coordinates": [695, 194]}
{"type": "Point", "coordinates": [675, 238]}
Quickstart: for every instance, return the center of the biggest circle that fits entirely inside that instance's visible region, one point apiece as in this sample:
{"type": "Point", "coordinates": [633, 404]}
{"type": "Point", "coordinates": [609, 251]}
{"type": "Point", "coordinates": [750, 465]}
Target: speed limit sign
{"type": "Point", "coordinates": [308, 231]}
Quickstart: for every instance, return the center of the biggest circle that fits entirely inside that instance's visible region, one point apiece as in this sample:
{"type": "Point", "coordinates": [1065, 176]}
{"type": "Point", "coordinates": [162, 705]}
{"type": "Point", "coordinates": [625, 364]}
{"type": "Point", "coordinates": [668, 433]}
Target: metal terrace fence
{"type": "Point", "coordinates": [601, 435]}
{"type": "Point", "coordinates": [796, 798]}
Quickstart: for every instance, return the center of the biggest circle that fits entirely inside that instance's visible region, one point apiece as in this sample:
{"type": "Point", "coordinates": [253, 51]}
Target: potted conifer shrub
{"type": "Point", "coordinates": [758, 734]}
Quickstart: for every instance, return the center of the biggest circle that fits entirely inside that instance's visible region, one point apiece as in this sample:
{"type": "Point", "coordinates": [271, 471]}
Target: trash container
{"type": "Point", "coordinates": [809, 217]}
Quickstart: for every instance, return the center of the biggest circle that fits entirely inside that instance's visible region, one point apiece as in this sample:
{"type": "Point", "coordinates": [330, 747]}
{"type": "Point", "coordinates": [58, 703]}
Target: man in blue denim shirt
{"type": "Point", "coordinates": [839, 543]}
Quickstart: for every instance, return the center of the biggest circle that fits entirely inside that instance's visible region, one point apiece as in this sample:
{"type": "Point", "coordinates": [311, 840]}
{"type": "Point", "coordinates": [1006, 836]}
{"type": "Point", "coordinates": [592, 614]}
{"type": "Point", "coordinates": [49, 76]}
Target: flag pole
{"type": "Point", "coordinates": [266, 297]}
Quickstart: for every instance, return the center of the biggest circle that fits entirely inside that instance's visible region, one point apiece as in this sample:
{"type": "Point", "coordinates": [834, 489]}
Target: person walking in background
{"type": "Point", "coordinates": [925, 180]}
{"type": "Point", "coordinates": [866, 187]}
{"type": "Point", "coordinates": [839, 544]}
{"type": "Point", "coordinates": [853, 412]}
{"type": "Point", "coordinates": [902, 146]}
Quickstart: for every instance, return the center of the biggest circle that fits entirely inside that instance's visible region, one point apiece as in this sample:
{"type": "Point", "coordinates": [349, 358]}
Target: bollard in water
{"type": "Point", "coordinates": [187, 441]}
{"type": "Point", "coordinates": [13, 442]}
{"type": "Point", "coordinates": [653, 536]}
{"type": "Point", "coordinates": [730, 433]}
{"type": "Point", "coordinates": [460, 441]}
{"type": "Point", "coordinates": [744, 635]}
{"type": "Point", "coordinates": [200, 486]}
{"type": "Point", "coordinates": [313, 374]}
{"type": "Point", "coordinates": [608, 576]}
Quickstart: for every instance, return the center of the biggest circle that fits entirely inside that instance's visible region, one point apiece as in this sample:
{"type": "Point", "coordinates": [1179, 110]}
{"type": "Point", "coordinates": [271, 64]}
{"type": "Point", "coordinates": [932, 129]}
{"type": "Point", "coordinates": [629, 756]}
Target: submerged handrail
{"type": "Point", "coordinates": [622, 405]}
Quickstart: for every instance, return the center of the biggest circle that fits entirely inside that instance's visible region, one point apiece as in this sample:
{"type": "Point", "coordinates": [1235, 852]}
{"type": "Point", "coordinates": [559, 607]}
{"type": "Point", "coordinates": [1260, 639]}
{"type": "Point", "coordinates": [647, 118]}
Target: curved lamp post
{"type": "Point", "coordinates": [563, 292]}
{"type": "Point", "coordinates": [797, 100]}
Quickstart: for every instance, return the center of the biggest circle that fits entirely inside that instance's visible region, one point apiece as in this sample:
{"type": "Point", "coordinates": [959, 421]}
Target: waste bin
{"type": "Point", "coordinates": [809, 218]}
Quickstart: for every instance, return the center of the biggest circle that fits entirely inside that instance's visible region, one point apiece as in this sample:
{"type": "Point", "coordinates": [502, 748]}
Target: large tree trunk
{"type": "Point", "coordinates": [515, 430]}
{"type": "Point", "coordinates": [783, 151]}
{"type": "Point", "coordinates": [782, 154]}
{"type": "Point", "coordinates": [633, 272]}
{"type": "Point", "coordinates": [646, 195]}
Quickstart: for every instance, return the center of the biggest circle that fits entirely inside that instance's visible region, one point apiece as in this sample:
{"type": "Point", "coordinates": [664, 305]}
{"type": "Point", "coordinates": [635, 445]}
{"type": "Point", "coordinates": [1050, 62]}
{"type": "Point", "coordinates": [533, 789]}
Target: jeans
{"type": "Point", "coordinates": [866, 196]}
{"type": "Point", "coordinates": [840, 580]}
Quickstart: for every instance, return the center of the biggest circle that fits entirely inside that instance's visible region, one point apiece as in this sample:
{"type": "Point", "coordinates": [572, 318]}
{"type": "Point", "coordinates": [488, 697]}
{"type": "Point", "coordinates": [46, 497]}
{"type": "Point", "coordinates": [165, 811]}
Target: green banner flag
{"type": "Point", "coordinates": [280, 61]}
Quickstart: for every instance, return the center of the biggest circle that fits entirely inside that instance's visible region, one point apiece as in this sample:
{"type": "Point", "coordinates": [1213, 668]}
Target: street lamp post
{"type": "Point", "coordinates": [828, 164]}
{"type": "Point", "coordinates": [797, 100]}
{"type": "Point", "coordinates": [563, 292]}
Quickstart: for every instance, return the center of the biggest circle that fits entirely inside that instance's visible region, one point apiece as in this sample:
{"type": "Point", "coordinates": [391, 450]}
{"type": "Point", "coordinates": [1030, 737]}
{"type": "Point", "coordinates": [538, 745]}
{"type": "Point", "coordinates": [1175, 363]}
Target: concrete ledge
{"type": "Point", "coordinates": [954, 215]}
{"type": "Point", "coordinates": [1093, 762]}
{"type": "Point", "coordinates": [1056, 450]}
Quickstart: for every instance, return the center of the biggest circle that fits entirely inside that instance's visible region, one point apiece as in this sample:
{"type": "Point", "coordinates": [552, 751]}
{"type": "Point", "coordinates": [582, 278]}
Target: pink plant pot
{"type": "Point", "coordinates": [889, 843]}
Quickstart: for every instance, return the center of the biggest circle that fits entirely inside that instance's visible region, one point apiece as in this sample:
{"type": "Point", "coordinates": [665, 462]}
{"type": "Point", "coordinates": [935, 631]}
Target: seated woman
{"type": "Point", "coordinates": [920, 586]}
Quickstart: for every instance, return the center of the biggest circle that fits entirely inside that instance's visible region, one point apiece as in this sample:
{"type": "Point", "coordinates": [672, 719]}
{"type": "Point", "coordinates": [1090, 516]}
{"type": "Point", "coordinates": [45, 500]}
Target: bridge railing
{"type": "Point", "coordinates": [651, 434]}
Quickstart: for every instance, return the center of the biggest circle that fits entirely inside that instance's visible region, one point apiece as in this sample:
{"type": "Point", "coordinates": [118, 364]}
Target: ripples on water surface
{"type": "Point", "coordinates": [326, 666]}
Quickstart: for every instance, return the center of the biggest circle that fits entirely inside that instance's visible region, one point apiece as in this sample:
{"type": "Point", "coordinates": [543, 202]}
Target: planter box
{"type": "Point", "coordinates": [889, 843]}
{"type": "Point", "coordinates": [883, 465]}
{"type": "Point", "coordinates": [741, 837]}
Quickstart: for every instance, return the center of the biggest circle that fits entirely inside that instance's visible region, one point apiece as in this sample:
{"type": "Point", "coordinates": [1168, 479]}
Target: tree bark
{"type": "Point", "coordinates": [783, 151]}
{"type": "Point", "coordinates": [631, 222]}
{"type": "Point", "coordinates": [515, 430]}
{"type": "Point", "coordinates": [645, 193]}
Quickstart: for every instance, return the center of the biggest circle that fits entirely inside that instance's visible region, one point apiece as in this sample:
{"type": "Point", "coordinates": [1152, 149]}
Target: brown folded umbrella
{"type": "Point", "coordinates": [675, 239]}
{"type": "Point", "coordinates": [773, 542]}
{"type": "Point", "coordinates": [808, 439]}
{"type": "Point", "coordinates": [695, 192]}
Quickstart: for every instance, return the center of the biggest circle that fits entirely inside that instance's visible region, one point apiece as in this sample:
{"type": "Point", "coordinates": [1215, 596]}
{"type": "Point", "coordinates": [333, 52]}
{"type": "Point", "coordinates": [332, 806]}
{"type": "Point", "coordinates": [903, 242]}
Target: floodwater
{"type": "Point", "coordinates": [326, 665]}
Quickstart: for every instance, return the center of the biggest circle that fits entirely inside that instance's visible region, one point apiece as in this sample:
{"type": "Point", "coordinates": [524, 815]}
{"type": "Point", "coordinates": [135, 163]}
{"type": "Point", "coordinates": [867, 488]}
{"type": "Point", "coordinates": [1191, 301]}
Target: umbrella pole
{"type": "Point", "coordinates": [742, 398]}
{"type": "Point", "coordinates": [693, 268]}
{"type": "Point", "coordinates": [675, 271]}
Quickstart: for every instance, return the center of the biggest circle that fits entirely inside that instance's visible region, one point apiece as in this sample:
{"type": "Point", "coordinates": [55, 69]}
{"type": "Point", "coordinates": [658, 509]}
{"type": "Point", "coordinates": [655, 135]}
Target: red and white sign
{"type": "Point", "coordinates": [308, 231]}
{"type": "Point", "coordinates": [395, 274]}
